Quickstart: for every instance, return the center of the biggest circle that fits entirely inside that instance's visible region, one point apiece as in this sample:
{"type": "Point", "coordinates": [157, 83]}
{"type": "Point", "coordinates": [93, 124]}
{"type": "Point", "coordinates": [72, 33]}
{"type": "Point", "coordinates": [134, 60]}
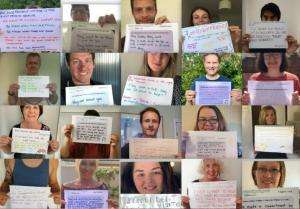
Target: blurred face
{"type": "Point", "coordinates": [157, 62]}
{"type": "Point", "coordinates": [31, 113]}
{"type": "Point", "coordinates": [273, 60]}
{"type": "Point", "coordinates": [269, 16]}
{"type": "Point", "coordinates": [208, 120]}
{"type": "Point", "coordinates": [270, 117]}
{"type": "Point", "coordinates": [267, 174]}
{"type": "Point", "coordinates": [33, 64]}
{"type": "Point", "coordinates": [211, 64]}
{"type": "Point", "coordinates": [144, 11]}
{"type": "Point", "coordinates": [80, 14]}
{"type": "Point", "coordinates": [148, 177]}
{"type": "Point", "coordinates": [87, 169]}
{"type": "Point", "coordinates": [211, 170]}
{"type": "Point", "coordinates": [150, 124]}
{"type": "Point", "coordinates": [81, 68]}
{"type": "Point", "coordinates": [200, 17]}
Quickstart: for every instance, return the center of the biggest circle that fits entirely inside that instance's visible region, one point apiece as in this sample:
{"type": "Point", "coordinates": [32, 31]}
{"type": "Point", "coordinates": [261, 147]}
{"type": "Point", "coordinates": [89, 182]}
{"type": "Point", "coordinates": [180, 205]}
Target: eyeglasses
{"type": "Point", "coordinates": [273, 171]}
{"type": "Point", "coordinates": [212, 121]}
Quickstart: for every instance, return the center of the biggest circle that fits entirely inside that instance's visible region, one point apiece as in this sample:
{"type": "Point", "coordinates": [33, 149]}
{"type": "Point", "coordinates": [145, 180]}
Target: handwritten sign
{"type": "Point", "coordinates": [30, 141]}
{"type": "Point", "coordinates": [274, 139]}
{"type": "Point", "coordinates": [151, 201]}
{"type": "Point", "coordinates": [86, 199]}
{"type": "Point", "coordinates": [153, 148]}
{"type": "Point", "coordinates": [90, 37]}
{"type": "Point", "coordinates": [30, 30]}
{"type": "Point", "coordinates": [208, 38]}
{"type": "Point", "coordinates": [89, 95]}
{"type": "Point", "coordinates": [92, 129]}
{"type": "Point", "coordinates": [152, 38]}
{"type": "Point", "coordinates": [271, 92]}
{"type": "Point", "coordinates": [279, 198]}
{"type": "Point", "coordinates": [147, 91]}
{"type": "Point", "coordinates": [33, 86]}
{"type": "Point", "coordinates": [211, 144]}
{"type": "Point", "coordinates": [213, 93]}
{"type": "Point", "coordinates": [29, 197]}
{"type": "Point", "coordinates": [268, 35]}
{"type": "Point", "coordinates": [218, 194]}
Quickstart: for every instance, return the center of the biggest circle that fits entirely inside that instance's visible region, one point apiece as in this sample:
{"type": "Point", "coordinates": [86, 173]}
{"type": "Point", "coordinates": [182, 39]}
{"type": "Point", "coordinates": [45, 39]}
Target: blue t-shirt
{"type": "Point", "coordinates": [203, 78]}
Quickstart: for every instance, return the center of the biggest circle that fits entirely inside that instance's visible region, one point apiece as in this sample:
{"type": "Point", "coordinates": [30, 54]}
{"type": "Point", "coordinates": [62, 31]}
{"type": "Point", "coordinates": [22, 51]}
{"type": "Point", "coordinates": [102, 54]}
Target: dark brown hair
{"type": "Point", "coordinates": [221, 120]}
{"type": "Point", "coordinates": [132, 4]}
{"type": "Point", "coordinates": [149, 109]}
{"type": "Point", "coordinates": [264, 69]}
{"type": "Point", "coordinates": [68, 55]}
{"type": "Point", "coordinates": [40, 108]}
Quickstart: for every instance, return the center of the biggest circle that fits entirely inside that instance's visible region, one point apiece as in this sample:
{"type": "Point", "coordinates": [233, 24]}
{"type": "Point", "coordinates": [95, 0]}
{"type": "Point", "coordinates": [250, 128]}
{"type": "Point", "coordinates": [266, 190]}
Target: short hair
{"type": "Point", "coordinates": [84, 6]}
{"type": "Point", "coordinates": [170, 185]}
{"type": "Point", "coordinates": [132, 4]}
{"type": "Point", "coordinates": [149, 109]}
{"type": "Point", "coordinates": [68, 55]}
{"type": "Point", "coordinates": [217, 55]}
{"type": "Point", "coordinates": [282, 172]}
{"type": "Point", "coordinates": [262, 65]}
{"type": "Point", "coordinates": [91, 113]}
{"type": "Point", "coordinates": [272, 8]}
{"type": "Point", "coordinates": [218, 161]}
{"type": "Point", "coordinates": [23, 106]}
{"type": "Point", "coordinates": [33, 54]}
{"type": "Point", "coordinates": [168, 72]}
{"type": "Point", "coordinates": [199, 8]}
{"type": "Point", "coordinates": [262, 115]}
{"type": "Point", "coordinates": [221, 120]}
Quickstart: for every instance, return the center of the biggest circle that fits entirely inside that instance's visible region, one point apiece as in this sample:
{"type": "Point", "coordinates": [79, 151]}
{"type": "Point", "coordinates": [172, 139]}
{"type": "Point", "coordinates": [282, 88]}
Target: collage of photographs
{"type": "Point", "coordinates": [150, 104]}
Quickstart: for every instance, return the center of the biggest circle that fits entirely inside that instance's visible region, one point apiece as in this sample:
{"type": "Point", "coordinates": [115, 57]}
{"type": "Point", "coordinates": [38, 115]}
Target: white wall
{"type": "Point", "coordinates": [190, 172]}
{"type": "Point", "coordinates": [289, 13]}
{"type": "Point", "coordinates": [169, 8]}
{"type": "Point", "coordinates": [291, 180]}
{"type": "Point", "coordinates": [13, 64]}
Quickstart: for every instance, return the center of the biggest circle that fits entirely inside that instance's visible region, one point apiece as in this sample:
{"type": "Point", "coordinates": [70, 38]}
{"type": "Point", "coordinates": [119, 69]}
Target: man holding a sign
{"type": "Point", "coordinates": [207, 94]}
{"type": "Point", "coordinates": [33, 64]}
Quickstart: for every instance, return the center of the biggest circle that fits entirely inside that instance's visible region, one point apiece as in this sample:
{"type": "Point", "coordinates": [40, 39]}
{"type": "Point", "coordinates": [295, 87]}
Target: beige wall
{"type": "Point", "coordinates": [169, 8]}
{"type": "Point", "coordinates": [13, 64]}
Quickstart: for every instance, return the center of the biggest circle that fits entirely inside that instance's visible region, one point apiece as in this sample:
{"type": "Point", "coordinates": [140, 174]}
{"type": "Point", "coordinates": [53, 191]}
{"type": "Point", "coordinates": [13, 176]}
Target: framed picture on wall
{"type": "Point", "coordinates": [131, 127]}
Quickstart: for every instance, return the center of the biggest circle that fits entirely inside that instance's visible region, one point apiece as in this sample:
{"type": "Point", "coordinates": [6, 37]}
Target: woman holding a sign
{"type": "Point", "coordinates": [73, 149]}
{"type": "Point", "coordinates": [272, 67]}
{"type": "Point", "coordinates": [267, 116]}
{"type": "Point", "coordinates": [163, 65]}
{"type": "Point", "coordinates": [30, 129]}
{"type": "Point", "coordinates": [212, 68]}
{"type": "Point", "coordinates": [97, 190]}
{"type": "Point", "coordinates": [34, 174]}
{"type": "Point", "coordinates": [149, 178]}
{"type": "Point", "coordinates": [211, 171]}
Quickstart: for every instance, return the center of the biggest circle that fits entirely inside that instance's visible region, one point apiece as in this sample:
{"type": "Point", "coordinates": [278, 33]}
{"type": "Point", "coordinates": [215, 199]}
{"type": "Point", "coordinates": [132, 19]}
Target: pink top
{"type": "Point", "coordinates": [285, 77]}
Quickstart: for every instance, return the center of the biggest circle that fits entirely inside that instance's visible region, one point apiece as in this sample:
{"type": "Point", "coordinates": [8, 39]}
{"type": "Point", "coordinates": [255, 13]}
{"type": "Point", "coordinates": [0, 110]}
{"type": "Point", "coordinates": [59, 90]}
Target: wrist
{"type": "Point", "coordinates": [11, 93]}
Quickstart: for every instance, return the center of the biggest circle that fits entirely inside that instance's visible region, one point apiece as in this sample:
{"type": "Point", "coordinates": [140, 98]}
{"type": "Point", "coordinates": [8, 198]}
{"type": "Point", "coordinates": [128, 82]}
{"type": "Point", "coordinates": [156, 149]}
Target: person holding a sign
{"type": "Point", "coordinates": [86, 170]}
{"type": "Point", "coordinates": [267, 116]}
{"type": "Point", "coordinates": [268, 174]}
{"type": "Point", "coordinates": [210, 170]}
{"type": "Point", "coordinates": [30, 172]}
{"type": "Point", "coordinates": [271, 12]}
{"type": "Point", "coordinates": [85, 150]}
{"type": "Point", "coordinates": [149, 178]}
{"type": "Point", "coordinates": [31, 115]}
{"type": "Point", "coordinates": [163, 65]}
{"type": "Point", "coordinates": [212, 67]}
{"type": "Point", "coordinates": [33, 64]}
{"type": "Point", "coordinates": [201, 15]}
{"type": "Point", "coordinates": [273, 67]}
{"type": "Point", "coordinates": [144, 12]}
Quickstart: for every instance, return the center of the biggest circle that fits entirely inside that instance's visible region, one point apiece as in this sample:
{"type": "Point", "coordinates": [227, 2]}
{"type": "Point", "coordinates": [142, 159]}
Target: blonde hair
{"type": "Point", "coordinates": [263, 114]}
{"type": "Point", "coordinates": [168, 72]}
{"type": "Point", "coordinates": [217, 161]}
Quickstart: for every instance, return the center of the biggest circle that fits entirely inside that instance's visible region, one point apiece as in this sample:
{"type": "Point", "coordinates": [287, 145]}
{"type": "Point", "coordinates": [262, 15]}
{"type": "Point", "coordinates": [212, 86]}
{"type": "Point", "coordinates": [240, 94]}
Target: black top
{"type": "Point", "coordinates": [270, 155]}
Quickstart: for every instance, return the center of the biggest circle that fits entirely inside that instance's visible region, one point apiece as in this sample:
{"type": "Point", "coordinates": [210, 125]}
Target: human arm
{"type": "Point", "coordinates": [114, 142]}
{"type": "Point", "coordinates": [53, 182]}
{"type": "Point", "coordinates": [235, 33]}
{"type": "Point", "coordinates": [107, 19]}
{"type": "Point", "coordinates": [53, 97]}
{"type": "Point", "coordinates": [4, 188]}
{"type": "Point", "coordinates": [13, 94]}
{"type": "Point", "coordinates": [68, 140]}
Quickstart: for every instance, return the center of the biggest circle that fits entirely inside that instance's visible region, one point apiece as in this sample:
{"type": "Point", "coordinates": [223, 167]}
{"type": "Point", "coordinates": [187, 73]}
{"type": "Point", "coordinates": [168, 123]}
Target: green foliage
{"type": "Point", "coordinates": [21, 4]}
{"type": "Point", "coordinates": [108, 175]}
{"type": "Point", "coordinates": [192, 68]}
